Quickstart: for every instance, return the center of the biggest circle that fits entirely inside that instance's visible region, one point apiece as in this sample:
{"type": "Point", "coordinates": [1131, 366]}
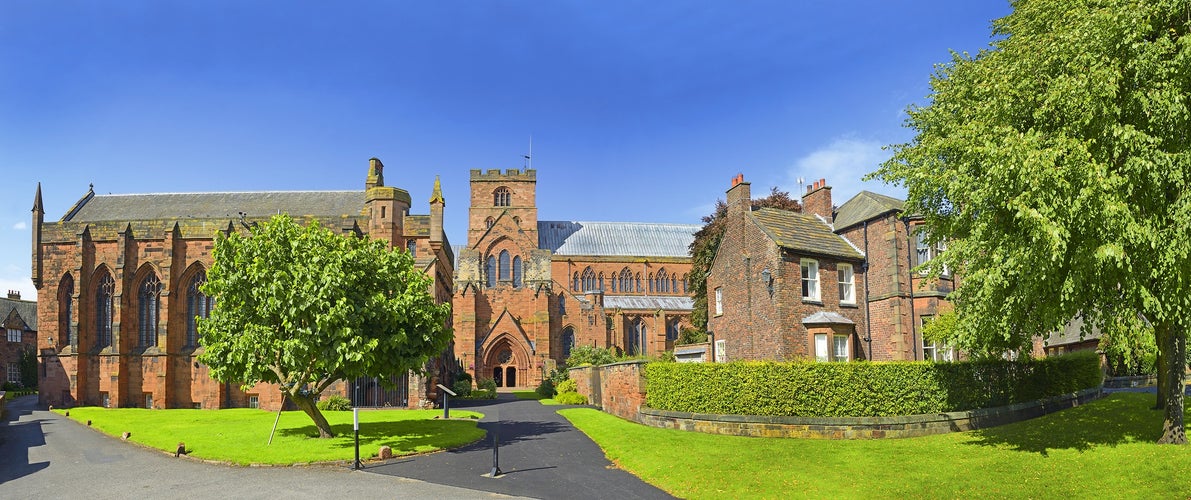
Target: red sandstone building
{"type": "Point", "coordinates": [19, 319]}
{"type": "Point", "coordinates": [827, 284]}
{"type": "Point", "coordinates": [529, 290]}
{"type": "Point", "coordinates": [119, 279]}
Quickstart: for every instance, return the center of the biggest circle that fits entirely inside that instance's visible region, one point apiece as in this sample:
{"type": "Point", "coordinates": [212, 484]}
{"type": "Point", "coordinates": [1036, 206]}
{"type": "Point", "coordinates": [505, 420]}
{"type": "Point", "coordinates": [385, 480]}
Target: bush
{"type": "Point", "coordinates": [335, 403]}
{"type": "Point", "coordinates": [691, 336]}
{"type": "Point", "coordinates": [568, 386]}
{"type": "Point", "coordinates": [590, 355]}
{"type": "Point", "coordinates": [482, 394]}
{"type": "Point", "coordinates": [545, 389]}
{"type": "Point", "coordinates": [487, 384]}
{"type": "Point", "coordinates": [462, 388]}
{"type": "Point", "coordinates": [808, 389]}
{"type": "Point", "coordinates": [570, 398]}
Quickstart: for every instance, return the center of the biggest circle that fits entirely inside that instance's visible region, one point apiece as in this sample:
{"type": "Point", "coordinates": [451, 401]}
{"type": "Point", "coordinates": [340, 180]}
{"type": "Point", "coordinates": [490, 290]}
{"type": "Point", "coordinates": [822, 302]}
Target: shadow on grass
{"type": "Point", "coordinates": [404, 437]}
{"type": "Point", "coordinates": [1114, 420]}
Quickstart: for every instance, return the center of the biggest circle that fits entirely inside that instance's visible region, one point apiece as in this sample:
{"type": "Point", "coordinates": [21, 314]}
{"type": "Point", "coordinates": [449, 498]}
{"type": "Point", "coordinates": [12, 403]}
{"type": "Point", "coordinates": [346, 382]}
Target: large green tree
{"type": "Point", "coordinates": [302, 307]}
{"type": "Point", "coordinates": [707, 243]}
{"type": "Point", "coordinates": [1055, 163]}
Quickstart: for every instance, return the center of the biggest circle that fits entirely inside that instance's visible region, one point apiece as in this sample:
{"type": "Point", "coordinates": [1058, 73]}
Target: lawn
{"type": "Point", "coordinates": [535, 396]}
{"type": "Point", "coordinates": [1102, 449]}
{"type": "Point", "coordinates": [241, 435]}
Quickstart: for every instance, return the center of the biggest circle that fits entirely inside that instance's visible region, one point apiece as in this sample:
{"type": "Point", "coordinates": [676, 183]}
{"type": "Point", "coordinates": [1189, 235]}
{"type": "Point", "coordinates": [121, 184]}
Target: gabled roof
{"type": "Point", "coordinates": [803, 233]}
{"type": "Point", "coordinates": [639, 239]}
{"type": "Point", "coordinates": [650, 303]}
{"type": "Point", "coordinates": [865, 206]}
{"type": "Point", "coordinates": [130, 207]}
{"type": "Point", "coordinates": [26, 309]}
{"type": "Point", "coordinates": [826, 317]}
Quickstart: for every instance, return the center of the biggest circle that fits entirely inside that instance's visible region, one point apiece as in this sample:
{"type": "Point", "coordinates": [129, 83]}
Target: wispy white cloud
{"type": "Point", "coordinates": [843, 162]}
{"type": "Point", "coordinates": [23, 285]}
{"type": "Point", "coordinates": [20, 226]}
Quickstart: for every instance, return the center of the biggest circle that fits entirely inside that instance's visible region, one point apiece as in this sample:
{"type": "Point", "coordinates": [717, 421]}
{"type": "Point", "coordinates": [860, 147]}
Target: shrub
{"type": "Point", "coordinates": [545, 389]}
{"type": "Point", "coordinates": [462, 388]}
{"type": "Point", "coordinates": [864, 389]}
{"type": "Point", "coordinates": [568, 386]}
{"type": "Point", "coordinates": [570, 398]}
{"type": "Point", "coordinates": [335, 403]}
{"type": "Point", "coordinates": [590, 355]}
{"type": "Point", "coordinates": [487, 384]}
{"type": "Point", "coordinates": [482, 394]}
{"type": "Point", "coordinates": [690, 335]}
{"type": "Point", "coordinates": [463, 376]}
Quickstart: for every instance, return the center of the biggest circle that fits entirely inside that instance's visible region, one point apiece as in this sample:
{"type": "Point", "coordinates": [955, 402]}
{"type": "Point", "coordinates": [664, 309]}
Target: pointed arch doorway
{"type": "Point", "coordinates": [507, 362]}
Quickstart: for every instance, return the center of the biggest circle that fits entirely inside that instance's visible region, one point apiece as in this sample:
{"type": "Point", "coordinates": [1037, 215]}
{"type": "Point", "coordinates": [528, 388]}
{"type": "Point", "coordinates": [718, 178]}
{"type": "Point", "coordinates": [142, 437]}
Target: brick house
{"type": "Point", "coordinates": [119, 276]}
{"type": "Point", "coordinates": [20, 333]}
{"type": "Point", "coordinates": [783, 285]}
{"type": "Point", "coordinates": [529, 290]}
{"type": "Point", "coordinates": [828, 283]}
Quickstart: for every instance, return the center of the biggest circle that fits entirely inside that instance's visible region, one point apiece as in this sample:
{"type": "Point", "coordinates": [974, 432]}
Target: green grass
{"type": "Point", "coordinates": [1101, 449]}
{"type": "Point", "coordinates": [528, 395]}
{"type": "Point", "coordinates": [241, 435]}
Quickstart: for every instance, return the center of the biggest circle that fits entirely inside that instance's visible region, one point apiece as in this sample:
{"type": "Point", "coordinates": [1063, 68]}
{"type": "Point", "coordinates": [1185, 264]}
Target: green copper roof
{"type": "Point", "coordinates": [803, 233]}
{"type": "Point", "coordinates": [864, 206]}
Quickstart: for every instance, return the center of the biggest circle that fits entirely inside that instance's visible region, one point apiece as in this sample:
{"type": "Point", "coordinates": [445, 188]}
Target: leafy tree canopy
{"type": "Point", "coordinates": [302, 307]}
{"type": "Point", "coordinates": [707, 243]}
{"type": "Point", "coordinates": [1056, 165]}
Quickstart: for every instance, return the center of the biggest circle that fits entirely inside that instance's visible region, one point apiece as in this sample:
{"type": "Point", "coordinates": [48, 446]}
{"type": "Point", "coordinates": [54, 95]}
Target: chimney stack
{"type": "Point", "coordinates": [14, 294]}
{"type": "Point", "coordinates": [739, 195]}
{"type": "Point", "coordinates": [817, 200]}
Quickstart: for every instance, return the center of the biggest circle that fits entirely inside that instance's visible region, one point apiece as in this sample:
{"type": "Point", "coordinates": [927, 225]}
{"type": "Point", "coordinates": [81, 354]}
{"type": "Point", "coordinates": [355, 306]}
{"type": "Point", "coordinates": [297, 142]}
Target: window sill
{"type": "Point", "coordinates": [816, 302]}
{"type": "Point", "coordinates": [850, 305]}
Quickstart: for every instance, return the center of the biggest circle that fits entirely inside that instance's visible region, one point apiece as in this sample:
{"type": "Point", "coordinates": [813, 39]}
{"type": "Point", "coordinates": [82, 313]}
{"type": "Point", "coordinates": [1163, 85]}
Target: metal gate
{"type": "Point", "coordinates": [369, 392]}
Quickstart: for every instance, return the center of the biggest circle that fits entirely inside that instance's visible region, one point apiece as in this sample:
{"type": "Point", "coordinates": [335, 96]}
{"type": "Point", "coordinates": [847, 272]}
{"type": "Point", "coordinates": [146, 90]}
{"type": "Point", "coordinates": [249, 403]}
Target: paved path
{"type": "Point", "coordinates": [45, 455]}
{"type": "Point", "coordinates": [541, 454]}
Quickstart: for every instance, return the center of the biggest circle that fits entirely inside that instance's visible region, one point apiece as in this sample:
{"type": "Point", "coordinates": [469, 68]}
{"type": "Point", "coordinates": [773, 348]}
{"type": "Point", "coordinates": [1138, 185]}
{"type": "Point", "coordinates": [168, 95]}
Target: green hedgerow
{"type": "Point", "coordinates": [570, 398]}
{"type": "Point", "coordinates": [335, 403]}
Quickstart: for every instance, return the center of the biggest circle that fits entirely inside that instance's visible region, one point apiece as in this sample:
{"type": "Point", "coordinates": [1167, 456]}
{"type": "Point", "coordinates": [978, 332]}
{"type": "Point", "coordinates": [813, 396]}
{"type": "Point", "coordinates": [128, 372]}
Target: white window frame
{"type": "Point", "coordinates": [14, 373]}
{"type": "Point", "coordinates": [254, 401]}
{"type": "Point", "coordinates": [810, 279]}
{"type": "Point", "coordinates": [721, 356]}
{"type": "Point", "coordinates": [719, 300]}
{"type": "Point", "coordinates": [847, 283]}
{"type": "Point", "coordinates": [933, 351]}
{"type": "Point", "coordinates": [14, 335]}
{"type": "Point", "coordinates": [836, 354]}
{"type": "Point", "coordinates": [822, 354]}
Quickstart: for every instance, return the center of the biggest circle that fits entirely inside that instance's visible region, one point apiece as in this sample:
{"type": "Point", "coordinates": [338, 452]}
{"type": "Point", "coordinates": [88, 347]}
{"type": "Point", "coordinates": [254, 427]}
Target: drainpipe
{"type": "Point", "coordinates": [910, 275]}
{"type": "Point", "coordinates": [868, 323]}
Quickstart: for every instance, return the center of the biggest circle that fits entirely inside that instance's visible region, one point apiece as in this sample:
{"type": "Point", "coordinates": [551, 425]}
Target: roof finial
{"type": "Point", "coordinates": [436, 194]}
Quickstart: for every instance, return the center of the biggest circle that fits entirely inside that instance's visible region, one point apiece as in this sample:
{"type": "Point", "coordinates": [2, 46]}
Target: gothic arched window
{"type": "Point", "coordinates": [501, 197]}
{"type": "Point", "coordinates": [489, 222]}
{"type": "Point", "coordinates": [663, 282]}
{"type": "Point", "coordinates": [504, 269]}
{"type": "Point", "coordinates": [589, 279]}
{"type": "Point", "coordinates": [490, 271]}
{"type": "Point", "coordinates": [568, 341]}
{"type": "Point", "coordinates": [198, 305]}
{"type": "Point", "coordinates": [601, 282]}
{"type": "Point", "coordinates": [575, 283]}
{"type": "Point", "coordinates": [626, 280]}
{"type": "Point", "coordinates": [517, 271]}
{"type": "Point", "coordinates": [148, 307]}
{"type": "Point", "coordinates": [104, 289]}
{"type": "Point", "coordinates": [66, 299]}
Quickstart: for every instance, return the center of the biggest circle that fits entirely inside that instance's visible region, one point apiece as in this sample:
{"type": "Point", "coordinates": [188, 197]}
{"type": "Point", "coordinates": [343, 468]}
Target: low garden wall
{"type": "Point", "coordinates": [839, 400]}
{"type": "Point", "coordinates": [862, 427]}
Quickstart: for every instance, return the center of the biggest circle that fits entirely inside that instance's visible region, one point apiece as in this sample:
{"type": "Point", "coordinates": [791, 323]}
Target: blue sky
{"type": "Point", "coordinates": [639, 111]}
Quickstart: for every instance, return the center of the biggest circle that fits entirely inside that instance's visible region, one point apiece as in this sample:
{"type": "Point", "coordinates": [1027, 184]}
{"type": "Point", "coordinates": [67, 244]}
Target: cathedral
{"type": "Point", "coordinates": [119, 276]}
{"type": "Point", "coordinates": [527, 291]}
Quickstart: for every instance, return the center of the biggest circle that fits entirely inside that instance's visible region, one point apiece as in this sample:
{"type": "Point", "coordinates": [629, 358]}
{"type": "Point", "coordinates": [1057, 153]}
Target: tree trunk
{"type": "Point", "coordinates": [1175, 373]}
{"type": "Point", "coordinates": [1160, 340]}
{"type": "Point", "coordinates": [307, 405]}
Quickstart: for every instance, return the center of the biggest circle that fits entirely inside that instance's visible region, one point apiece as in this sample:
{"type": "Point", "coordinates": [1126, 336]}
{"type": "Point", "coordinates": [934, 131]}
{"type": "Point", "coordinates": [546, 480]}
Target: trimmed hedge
{"type": "Point", "coordinates": [808, 389]}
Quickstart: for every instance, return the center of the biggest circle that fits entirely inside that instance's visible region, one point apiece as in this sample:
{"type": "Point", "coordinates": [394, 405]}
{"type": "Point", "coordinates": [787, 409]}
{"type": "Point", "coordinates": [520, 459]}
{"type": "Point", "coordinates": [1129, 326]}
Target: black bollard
{"type": "Point", "coordinates": [495, 451]}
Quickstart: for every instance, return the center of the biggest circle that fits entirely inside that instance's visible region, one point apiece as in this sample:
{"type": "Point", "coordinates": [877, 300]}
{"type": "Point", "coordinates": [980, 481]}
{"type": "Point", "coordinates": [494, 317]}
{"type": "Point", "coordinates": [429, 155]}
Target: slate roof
{"type": "Point", "coordinates": [27, 309]}
{"type": "Point", "coordinates": [1070, 334]}
{"type": "Point", "coordinates": [803, 232]}
{"type": "Point", "coordinates": [640, 239]}
{"type": "Point", "coordinates": [822, 317]}
{"type": "Point", "coordinates": [864, 206]}
{"type": "Point", "coordinates": [130, 207]}
{"type": "Point", "coordinates": [651, 303]}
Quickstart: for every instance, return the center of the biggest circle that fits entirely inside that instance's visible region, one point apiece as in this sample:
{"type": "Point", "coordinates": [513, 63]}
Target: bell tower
{"type": "Point", "coordinates": [509, 194]}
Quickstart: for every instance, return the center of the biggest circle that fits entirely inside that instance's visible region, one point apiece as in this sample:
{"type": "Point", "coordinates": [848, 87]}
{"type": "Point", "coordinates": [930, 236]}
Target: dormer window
{"type": "Point", "coordinates": [501, 197]}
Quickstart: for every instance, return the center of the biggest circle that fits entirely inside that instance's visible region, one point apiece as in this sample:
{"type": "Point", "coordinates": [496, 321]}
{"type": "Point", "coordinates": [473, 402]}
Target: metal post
{"type": "Point", "coordinates": [495, 451]}
{"type": "Point", "coordinates": [446, 405]}
{"type": "Point", "coordinates": [356, 428]}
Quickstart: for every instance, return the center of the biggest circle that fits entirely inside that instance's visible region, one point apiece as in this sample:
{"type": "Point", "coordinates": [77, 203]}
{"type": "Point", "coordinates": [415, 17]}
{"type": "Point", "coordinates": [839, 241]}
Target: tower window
{"type": "Point", "coordinates": [501, 197]}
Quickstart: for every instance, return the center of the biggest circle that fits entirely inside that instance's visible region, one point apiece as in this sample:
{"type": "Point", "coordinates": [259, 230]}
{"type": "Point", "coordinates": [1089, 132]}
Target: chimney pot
{"type": "Point", "coordinates": [14, 294]}
{"type": "Point", "coordinates": [822, 182]}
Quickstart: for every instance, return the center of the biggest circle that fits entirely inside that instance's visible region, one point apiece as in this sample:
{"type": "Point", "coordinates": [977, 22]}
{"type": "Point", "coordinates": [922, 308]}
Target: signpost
{"type": "Point", "coordinates": [446, 401]}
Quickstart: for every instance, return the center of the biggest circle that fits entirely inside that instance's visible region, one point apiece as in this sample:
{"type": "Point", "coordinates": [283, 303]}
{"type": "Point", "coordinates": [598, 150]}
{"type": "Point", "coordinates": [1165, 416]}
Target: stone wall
{"type": "Point", "coordinates": [621, 387]}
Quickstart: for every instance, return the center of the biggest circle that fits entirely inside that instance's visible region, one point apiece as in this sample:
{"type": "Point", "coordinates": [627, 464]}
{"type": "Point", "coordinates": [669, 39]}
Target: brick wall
{"type": "Point", "coordinates": [622, 387]}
